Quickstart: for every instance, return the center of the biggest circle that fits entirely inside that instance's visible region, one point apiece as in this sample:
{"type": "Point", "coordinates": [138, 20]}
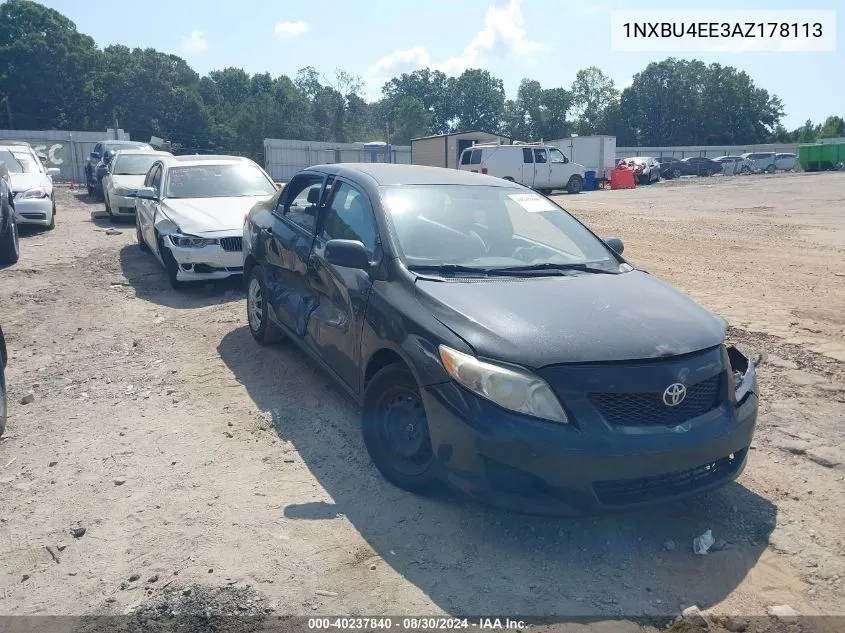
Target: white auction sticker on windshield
{"type": "Point", "coordinates": [531, 202]}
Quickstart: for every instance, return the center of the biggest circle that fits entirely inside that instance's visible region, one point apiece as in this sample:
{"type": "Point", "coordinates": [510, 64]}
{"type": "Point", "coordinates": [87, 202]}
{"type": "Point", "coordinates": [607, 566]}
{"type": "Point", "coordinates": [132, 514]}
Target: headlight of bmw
{"type": "Point", "coordinates": [37, 192]}
{"type": "Point", "coordinates": [190, 241]}
{"type": "Point", "coordinates": [511, 389]}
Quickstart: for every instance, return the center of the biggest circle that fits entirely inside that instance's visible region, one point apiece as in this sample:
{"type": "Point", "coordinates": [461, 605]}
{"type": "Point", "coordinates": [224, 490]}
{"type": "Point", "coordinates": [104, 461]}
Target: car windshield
{"type": "Point", "coordinates": [116, 146]}
{"type": "Point", "coordinates": [133, 164]}
{"type": "Point", "coordinates": [482, 227]}
{"type": "Point", "coordinates": [218, 181]}
{"type": "Point", "coordinates": [18, 162]}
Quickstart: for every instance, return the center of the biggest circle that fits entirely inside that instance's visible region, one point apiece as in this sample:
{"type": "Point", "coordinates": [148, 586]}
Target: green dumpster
{"type": "Point", "coordinates": [821, 156]}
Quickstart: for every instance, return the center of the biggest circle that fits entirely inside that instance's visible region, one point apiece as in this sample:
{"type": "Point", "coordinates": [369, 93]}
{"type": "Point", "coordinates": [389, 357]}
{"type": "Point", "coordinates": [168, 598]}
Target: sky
{"type": "Point", "coordinates": [546, 40]}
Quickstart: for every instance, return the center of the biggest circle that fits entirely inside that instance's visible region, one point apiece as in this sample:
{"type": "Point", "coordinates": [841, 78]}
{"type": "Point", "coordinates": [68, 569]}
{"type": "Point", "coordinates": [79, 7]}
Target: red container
{"type": "Point", "coordinates": [622, 179]}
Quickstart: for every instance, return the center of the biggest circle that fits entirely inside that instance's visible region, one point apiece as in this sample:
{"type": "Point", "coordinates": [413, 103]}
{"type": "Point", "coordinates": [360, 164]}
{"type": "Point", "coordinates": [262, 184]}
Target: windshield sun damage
{"type": "Point", "coordinates": [133, 164]}
{"type": "Point", "coordinates": [218, 181]}
{"type": "Point", "coordinates": [18, 162]}
{"type": "Point", "coordinates": [465, 228]}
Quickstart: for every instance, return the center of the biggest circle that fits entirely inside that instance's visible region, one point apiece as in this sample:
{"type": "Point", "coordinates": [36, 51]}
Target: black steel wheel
{"type": "Point", "coordinates": [396, 432]}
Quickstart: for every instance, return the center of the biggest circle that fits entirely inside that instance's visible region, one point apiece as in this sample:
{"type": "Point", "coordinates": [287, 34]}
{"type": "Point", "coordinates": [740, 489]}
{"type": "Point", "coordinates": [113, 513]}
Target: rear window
{"type": "Point", "coordinates": [476, 157]}
{"type": "Point", "coordinates": [465, 157]}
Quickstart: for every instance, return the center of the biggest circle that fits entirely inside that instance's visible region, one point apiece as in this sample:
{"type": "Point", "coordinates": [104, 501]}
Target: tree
{"type": "Point", "coordinates": [808, 133]}
{"type": "Point", "coordinates": [429, 87]}
{"type": "Point", "coordinates": [411, 120]}
{"type": "Point", "coordinates": [479, 100]}
{"type": "Point", "coordinates": [592, 93]}
{"type": "Point", "coordinates": [45, 64]}
{"type": "Point", "coordinates": [833, 126]}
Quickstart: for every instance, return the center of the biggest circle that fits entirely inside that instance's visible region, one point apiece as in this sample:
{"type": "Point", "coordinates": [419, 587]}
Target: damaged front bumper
{"type": "Point", "coordinates": [208, 262]}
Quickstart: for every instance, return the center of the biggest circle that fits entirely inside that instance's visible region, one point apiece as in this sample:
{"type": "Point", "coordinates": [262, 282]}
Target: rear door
{"type": "Point", "coordinates": [342, 293]}
{"type": "Point", "coordinates": [542, 170]}
{"type": "Point", "coordinates": [289, 249]}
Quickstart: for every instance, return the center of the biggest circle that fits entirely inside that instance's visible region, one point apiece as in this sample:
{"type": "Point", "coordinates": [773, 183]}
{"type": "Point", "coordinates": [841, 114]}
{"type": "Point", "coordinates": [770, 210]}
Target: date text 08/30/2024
{"type": "Point", "coordinates": [415, 623]}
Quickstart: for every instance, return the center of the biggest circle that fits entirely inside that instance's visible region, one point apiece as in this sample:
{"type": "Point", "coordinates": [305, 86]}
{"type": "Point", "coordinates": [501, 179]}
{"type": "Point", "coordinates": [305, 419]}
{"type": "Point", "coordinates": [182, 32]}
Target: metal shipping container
{"type": "Point", "coordinates": [821, 156]}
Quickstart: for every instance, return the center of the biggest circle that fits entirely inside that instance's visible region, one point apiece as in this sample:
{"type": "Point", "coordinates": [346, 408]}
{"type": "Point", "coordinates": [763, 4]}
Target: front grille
{"type": "Point", "coordinates": [231, 244]}
{"type": "Point", "coordinates": [620, 492]}
{"type": "Point", "coordinates": [638, 409]}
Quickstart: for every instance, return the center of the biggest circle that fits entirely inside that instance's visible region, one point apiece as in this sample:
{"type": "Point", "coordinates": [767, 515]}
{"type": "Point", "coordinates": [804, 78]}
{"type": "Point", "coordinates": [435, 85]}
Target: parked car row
{"type": "Point", "coordinates": [101, 156]}
{"type": "Point", "coordinates": [407, 285]}
{"type": "Point", "coordinates": [751, 162]}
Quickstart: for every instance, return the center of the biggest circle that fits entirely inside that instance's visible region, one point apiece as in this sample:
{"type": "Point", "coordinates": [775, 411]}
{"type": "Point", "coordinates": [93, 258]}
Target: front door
{"type": "Point", "coordinates": [342, 293]}
{"type": "Point", "coordinates": [560, 169]}
{"type": "Point", "coordinates": [527, 167]}
{"type": "Point", "coordinates": [289, 249]}
{"type": "Point", "coordinates": [146, 210]}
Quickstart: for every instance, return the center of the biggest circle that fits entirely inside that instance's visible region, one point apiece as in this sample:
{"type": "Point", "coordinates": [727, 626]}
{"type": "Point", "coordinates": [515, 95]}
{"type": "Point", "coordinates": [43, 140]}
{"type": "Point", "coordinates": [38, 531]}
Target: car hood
{"type": "Point", "coordinates": [575, 318]}
{"type": "Point", "coordinates": [198, 216]}
{"type": "Point", "coordinates": [22, 182]}
{"type": "Point", "coordinates": [127, 182]}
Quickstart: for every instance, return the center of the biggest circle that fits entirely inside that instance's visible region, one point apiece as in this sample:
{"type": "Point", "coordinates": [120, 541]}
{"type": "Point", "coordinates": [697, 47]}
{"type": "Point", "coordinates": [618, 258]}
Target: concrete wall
{"type": "Point", "coordinates": [68, 151]}
{"type": "Point", "coordinates": [285, 157]}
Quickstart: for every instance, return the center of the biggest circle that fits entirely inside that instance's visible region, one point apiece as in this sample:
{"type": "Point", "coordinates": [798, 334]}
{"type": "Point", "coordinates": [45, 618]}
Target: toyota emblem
{"type": "Point", "coordinates": [674, 394]}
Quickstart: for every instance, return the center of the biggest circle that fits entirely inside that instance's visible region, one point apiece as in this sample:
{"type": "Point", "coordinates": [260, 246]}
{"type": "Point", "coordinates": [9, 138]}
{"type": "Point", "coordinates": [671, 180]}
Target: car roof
{"type": "Point", "coordinates": [10, 143]}
{"type": "Point", "coordinates": [15, 146]}
{"type": "Point", "coordinates": [132, 143]}
{"type": "Point", "coordinates": [392, 174]}
{"type": "Point", "coordinates": [141, 152]}
{"type": "Point", "coordinates": [205, 159]}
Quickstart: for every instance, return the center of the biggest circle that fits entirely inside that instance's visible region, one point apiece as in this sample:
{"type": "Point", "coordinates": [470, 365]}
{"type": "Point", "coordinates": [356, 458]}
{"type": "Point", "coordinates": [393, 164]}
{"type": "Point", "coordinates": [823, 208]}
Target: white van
{"type": "Point", "coordinates": [538, 166]}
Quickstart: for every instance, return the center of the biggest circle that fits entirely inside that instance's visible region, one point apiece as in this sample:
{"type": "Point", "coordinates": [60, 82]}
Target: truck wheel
{"type": "Point", "coordinates": [395, 430]}
{"type": "Point", "coordinates": [574, 185]}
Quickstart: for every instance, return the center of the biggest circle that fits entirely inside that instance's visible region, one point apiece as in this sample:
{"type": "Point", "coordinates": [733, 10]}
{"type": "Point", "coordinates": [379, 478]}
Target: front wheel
{"type": "Point", "coordinates": [395, 430]}
{"type": "Point", "coordinates": [140, 236]}
{"type": "Point", "coordinates": [575, 184]}
{"type": "Point", "coordinates": [770, 169]}
{"type": "Point", "coordinates": [52, 224]}
{"type": "Point", "coordinates": [676, 173]}
{"type": "Point", "coordinates": [261, 326]}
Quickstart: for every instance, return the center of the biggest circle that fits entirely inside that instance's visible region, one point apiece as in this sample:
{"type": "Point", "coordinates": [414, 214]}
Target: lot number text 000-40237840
{"type": "Point", "coordinates": [723, 31]}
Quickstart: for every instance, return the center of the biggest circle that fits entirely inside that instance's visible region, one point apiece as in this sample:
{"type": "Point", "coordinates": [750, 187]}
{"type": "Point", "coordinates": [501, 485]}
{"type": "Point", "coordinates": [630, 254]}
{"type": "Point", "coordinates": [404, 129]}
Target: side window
{"type": "Point", "coordinates": [527, 155]}
{"type": "Point", "coordinates": [302, 200]}
{"type": "Point", "coordinates": [540, 156]}
{"type": "Point", "coordinates": [557, 156]}
{"type": "Point", "coordinates": [349, 217]}
{"type": "Point", "coordinates": [476, 157]}
{"type": "Point", "coordinates": [465, 157]}
{"type": "Point", "coordinates": [98, 148]}
{"type": "Point", "coordinates": [155, 181]}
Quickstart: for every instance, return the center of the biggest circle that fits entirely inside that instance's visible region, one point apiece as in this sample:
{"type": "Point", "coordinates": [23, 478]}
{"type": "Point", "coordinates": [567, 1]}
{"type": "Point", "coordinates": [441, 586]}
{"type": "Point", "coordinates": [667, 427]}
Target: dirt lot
{"type": "Point", "coordinates": [202, 465]}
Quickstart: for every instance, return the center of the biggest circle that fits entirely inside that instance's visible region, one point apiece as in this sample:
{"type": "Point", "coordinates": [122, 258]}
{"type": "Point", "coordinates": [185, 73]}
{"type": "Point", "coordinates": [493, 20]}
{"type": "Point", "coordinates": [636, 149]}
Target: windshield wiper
{"type": "Point", "coordinates": [447, 269]}
{"type": "Point", "coordinates": [548, 266]}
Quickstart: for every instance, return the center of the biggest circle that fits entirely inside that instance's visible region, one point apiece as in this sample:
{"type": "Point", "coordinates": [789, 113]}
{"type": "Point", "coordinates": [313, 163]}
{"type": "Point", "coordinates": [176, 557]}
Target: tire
{"type": "Point", "coordinates": [770, 169]}
{"type": "Point", "coordinates": [52, 224]}
{"type": "Point", "coordinates": [90, 191]}
{"type": "Point", "coordinates": [170, 265]}
{"type": "Point", "coordinates": [10, 247]}
{"type": "Point", "coordinates": [261, 326]}
{"type": "Point", "coordinates": [574, 185]}
{"type": "Point", "coordinates": [395, 430]}
{"type": "Point", "coordinates": [138, 236]}
{"type": "Point", "coordinates": [108, 207]}
{"type": "Point", "coordinates": [4, 403]}
{"type": "Point", "coordinates": [676, 173]}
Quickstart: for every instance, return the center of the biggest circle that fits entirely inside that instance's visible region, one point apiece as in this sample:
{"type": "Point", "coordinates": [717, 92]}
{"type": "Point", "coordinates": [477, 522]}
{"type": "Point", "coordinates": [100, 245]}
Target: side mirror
{"type": "Point", "coordinates": [313, 195]}
{"type": "Point", "coordinates": [53, 172]}
{"type": "Point", "coordinates": [95, 155]}
{"type": "Point", "coordinates": [145, 193]}
{"type": "Point", "coordinates": [615, 244]}
{"type": "Point", "coordinates": [347, 254]}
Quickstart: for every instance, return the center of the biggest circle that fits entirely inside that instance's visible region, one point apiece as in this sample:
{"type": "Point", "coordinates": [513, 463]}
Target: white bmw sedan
{"type": "Point", "coordinates": [190, 213]}
{"type": "Point", "coordinates": [32, 184]}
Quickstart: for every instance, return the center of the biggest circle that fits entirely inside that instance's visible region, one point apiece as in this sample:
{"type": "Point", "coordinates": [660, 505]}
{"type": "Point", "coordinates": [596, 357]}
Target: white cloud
{"type": "Point", "coordinates": [287, 30]}
{"type": "Point", "coordinates": [503, 36]}
{"type": "Point", "coordinates": [194, 43]}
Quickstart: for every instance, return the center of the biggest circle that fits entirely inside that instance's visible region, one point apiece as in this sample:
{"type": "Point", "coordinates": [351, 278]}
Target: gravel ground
{"type": "Point", "coordinates": [198, 462]}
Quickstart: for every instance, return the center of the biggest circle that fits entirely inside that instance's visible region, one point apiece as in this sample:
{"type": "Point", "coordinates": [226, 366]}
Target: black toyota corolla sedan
{"type": "Point", "coordinates": [495, 343]}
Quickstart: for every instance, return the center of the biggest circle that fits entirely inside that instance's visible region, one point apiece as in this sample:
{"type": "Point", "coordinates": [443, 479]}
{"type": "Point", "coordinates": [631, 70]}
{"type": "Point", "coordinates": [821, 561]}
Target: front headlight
{"type": "Point", "coordinates": [190, 241]}
{"type": "Point", "coordinates": [511, 389]}
{"type": "Point", "coordinates": [743, 374]}
{"type": "Point", "coordinates": [37, 192]}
